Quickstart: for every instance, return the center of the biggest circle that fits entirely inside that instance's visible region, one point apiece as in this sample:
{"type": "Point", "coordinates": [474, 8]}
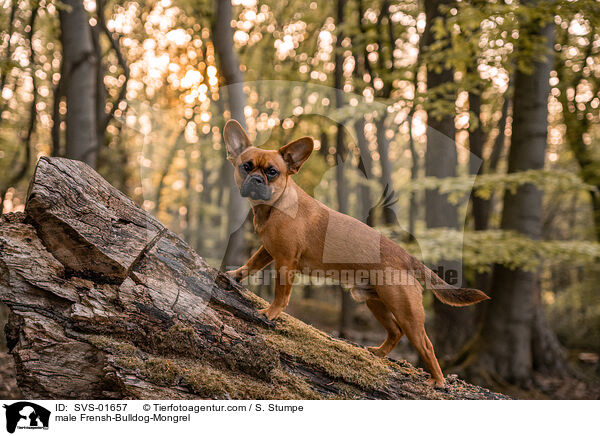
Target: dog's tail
{"type": "Point", "coordinates": [459, 296]}
{"type": "Point", "coordinates": [445, 292]}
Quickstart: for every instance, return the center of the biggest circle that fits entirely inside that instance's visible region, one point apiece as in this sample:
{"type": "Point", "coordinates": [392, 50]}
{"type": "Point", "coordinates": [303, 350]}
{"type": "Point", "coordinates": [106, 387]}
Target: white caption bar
{"type": "Point", "coordinates": [41, 418]}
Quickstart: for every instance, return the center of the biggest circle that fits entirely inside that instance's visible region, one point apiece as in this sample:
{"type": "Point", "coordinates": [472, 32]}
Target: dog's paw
{"type": "Point", "coordinates": [234, 275]}
{"type": "Point", "coordinates": [376, 351]}
{"type": "Point", "coordinates": [269, 313]}
{"type": "Point", "coordinates": [439, 384]}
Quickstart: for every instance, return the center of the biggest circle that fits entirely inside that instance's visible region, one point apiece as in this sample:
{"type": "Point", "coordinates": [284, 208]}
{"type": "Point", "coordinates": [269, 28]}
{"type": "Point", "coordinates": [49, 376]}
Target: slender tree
{"type": "Point", "coordinates": [379, 75]}
{"type": "Point", "coordinates": [80, 64]}
{"type": "Point", "coordinates": [6, 69]}
{"type": "Point", "coordinates": [341, 152]}
{"type": "Point", "coordinates": [23, 166]}
{"type": "Point", "coordinates": [479, 163]}
{"type": "Point", "coordinates": [235, 254]}
{"type": "Point", "coordinates": [361, 70]}
{"type": "Point", "coordinates": [451, 324]}
{"type": "Point", "coordinates": [104, 117]}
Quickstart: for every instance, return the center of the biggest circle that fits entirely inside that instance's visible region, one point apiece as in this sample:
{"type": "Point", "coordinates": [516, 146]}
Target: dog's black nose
{"type": "Point", "coordinates": [257, 179]}
{"type": "Point", "coordinates": [256, 188]}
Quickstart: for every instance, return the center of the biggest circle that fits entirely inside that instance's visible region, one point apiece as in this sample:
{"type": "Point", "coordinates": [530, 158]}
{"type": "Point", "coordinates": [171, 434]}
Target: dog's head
{"type": "Point", "coordinates": [261, 174]}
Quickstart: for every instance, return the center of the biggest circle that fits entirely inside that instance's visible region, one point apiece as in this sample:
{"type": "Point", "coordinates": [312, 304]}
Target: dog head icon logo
{"type": "Point", "coordinates": [24, 414]}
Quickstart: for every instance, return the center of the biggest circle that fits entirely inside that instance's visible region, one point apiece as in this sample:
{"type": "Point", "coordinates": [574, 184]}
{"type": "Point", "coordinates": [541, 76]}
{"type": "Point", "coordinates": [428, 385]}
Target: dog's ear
{"type": "Point", "coordinates": [236, 139]}
{"type": "Point", "coordinates": [296, 152]}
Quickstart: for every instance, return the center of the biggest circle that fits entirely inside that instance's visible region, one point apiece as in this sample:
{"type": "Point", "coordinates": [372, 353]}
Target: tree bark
{"type": "Point", "coordinates": [79, 58]}
{"type": "Point", "coordinates": [106, 303]}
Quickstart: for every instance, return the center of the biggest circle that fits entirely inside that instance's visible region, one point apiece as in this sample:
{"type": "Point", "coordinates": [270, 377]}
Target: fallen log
{"type": "Point", "coordinates": [106, 303]}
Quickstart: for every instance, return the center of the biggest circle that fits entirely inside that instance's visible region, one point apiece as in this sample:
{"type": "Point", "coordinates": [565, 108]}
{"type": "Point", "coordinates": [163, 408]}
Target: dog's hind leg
{"type": "Point", "coordinates": [407, 308]}
{"type": "Point", "coordinates": [418, 338]}
{"type": "Point", "coordinates": [387, 320]}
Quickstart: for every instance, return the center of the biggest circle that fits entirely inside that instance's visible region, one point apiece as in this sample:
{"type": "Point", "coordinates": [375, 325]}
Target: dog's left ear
{"type": "Point", "coordinates": [236, 139]}
{"type": "Point", "coordinates": [296, 152]}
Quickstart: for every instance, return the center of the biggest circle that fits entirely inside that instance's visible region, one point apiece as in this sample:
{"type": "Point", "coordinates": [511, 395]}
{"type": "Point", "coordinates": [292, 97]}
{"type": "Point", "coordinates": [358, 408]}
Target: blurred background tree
{"type": "Point", "coordinates": [466, 131]}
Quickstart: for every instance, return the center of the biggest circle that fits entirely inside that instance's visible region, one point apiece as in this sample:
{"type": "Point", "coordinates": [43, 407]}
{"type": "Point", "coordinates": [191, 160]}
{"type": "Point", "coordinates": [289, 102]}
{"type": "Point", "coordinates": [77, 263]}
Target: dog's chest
{"type": "Point", "coordinates": [276, 237]}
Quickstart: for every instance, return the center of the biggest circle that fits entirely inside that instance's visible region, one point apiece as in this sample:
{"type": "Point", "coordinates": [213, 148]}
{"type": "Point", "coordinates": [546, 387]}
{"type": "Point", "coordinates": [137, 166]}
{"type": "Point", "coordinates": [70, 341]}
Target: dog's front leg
{"type": "Point", "coordinates": [258, 261]}
{"type": "Point", "coordinates": [283, 289]}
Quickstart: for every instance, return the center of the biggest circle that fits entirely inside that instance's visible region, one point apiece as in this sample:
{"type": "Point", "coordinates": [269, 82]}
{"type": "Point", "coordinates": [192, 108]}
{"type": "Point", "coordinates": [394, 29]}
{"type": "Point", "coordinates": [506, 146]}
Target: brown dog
{"type": "Point", "coordinates": [301, 234]}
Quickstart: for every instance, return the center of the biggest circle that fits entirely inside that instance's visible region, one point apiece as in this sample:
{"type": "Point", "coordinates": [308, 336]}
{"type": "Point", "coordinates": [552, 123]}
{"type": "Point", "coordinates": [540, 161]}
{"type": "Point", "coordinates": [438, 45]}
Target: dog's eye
{"type": "Point", "coordinates": [247, 166]}
{"type": "Point", "coordinates": [271, 173]}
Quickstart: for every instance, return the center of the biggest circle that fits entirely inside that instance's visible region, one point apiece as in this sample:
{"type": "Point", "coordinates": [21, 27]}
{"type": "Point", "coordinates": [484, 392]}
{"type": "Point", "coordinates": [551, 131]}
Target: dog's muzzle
{"type": "Point", "coordinates": [256, 188]}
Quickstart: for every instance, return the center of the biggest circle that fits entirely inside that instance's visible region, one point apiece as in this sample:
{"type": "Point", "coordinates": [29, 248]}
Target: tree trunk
{"type": "Point", "coordinates": [476, 142]}
{"type": "Point", "coordinates": [595, 196]}
{"type": "Point", "coordinates": [414, 175]}
{"type": "Point", "coordinates": [107, 303]}
{"type": "Point", "coordinates": [366, 167]}
{"type": "Point", "coordinates": [548, 355]}
{"type": "Point", "coordinates": [5, 71]}
{"type": "Point", "coordinates": [414, 170]}
{"type": "Point", "coordinates": [236, 252]}
{"type": "Point", "coordinates": [80, 62]}
{"type": "Point", "coordinates": [507, 346]}
{"type": "Point", "coordinates": [480, 208]}
{"type": "Point", "coordinates": [383, 146]}
{"type": "Point", "coordinates": [20, 168]}
{"type": "Point", "coordinates": [452, 325]}
{"type": "Point", "coordinates": [347, 304]}
{"type": "Point", "coordinates": [100, 94]}
{"type": "Point", "coordinates": [483, 207]}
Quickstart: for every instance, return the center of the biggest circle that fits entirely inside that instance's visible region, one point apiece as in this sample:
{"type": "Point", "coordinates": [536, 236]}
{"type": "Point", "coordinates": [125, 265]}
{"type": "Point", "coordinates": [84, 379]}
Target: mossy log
{"type": "Point", "coordinates": [106, 302]}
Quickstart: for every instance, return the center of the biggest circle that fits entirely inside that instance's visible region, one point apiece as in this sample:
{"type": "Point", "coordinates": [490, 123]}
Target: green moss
{"type": "Point", "coordinates": [100, 341]}
{"type": "Point", "coordinates": [207, 380]}
{"type": "Point", "coordinates": [253, 357]}
{"type": "Point", "coordinates": [211, 382]}
{"type": "Point", "coordinates": [294, 387]}
{"type": "Point", "coordinates": [131, 363]}
{"type": "Point", "coordinates": [162, 371]}
{"type": "Point", "coordinates": [337, 358]}
{"type": "Point", "coordinates": [117, 347]}
{"type": "Point", "coordinates": [179, 339]}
